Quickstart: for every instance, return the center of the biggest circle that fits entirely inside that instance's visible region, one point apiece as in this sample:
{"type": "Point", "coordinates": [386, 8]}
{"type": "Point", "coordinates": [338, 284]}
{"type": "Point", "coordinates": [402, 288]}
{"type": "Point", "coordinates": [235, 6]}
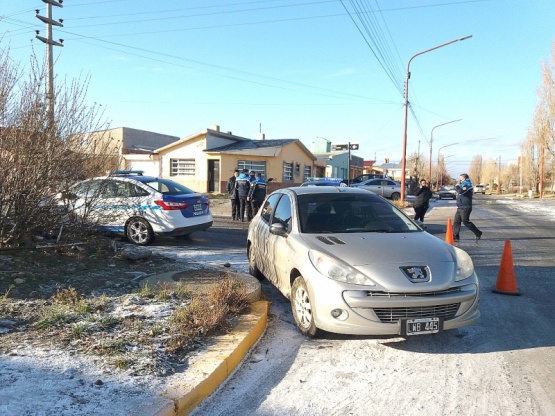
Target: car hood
{"type": "Point", "coordinates": [387, 257]}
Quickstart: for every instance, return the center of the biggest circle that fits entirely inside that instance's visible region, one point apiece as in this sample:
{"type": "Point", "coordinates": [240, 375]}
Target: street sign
{"type": "Point", "coordinates": [354, 146]}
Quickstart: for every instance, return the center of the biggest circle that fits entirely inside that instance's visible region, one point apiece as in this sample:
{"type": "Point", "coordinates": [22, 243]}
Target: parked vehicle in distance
{"type": "Point", "coordinates": [324, 182]}
{"type": "Point", "coordinates": [366, 176]}
{"type": "Point", "coordinates": [352, 263]}
{"type": "Point", "coordinates": [479, 189]}
{"type": "Point", "coordinates": [385, 187]}
{"type": "Point", "coordinates": [446, 192]}
{"type": "Point", "coordinates": [137, 207]}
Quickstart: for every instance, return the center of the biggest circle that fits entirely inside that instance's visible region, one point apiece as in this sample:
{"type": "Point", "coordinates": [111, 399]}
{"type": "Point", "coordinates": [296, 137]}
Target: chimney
{"type": "Point", "coordinates": [260, 136]}
{"type": "Point", "coordinates": [386, 160]}
{"type": "Point", "coordinates": [215, 127]}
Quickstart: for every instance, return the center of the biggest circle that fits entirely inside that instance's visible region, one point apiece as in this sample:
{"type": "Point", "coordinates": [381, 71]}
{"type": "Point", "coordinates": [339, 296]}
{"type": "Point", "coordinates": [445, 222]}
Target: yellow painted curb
{"type": "Point", "coordinates": [250, 329]}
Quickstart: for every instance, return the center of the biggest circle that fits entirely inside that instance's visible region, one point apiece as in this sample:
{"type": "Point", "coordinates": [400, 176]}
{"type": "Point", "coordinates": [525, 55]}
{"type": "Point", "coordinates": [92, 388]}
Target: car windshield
{"type": "Point", "coordinates": [167, 187]}
{"type": "Point", "coordinates": [350, 213]}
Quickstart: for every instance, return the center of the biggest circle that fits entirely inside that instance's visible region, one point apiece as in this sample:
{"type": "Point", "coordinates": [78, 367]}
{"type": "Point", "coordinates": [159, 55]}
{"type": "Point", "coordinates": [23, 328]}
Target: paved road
{"type": "Point", "coordinates": [502, 365]}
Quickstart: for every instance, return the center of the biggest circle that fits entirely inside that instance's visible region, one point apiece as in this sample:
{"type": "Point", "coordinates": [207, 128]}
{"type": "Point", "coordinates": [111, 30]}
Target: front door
{"type": "Point", "coordinates": [214, 175]}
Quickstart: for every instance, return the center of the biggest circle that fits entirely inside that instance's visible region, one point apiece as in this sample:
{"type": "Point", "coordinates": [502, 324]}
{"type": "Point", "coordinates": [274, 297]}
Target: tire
{"type": "Point", "coordinates": [301, 305]}
{"type": "Point", "coordinates": [138, 231]}
{"type": "Point", "coordinates": [395, 196]}
{"type": "Point", "coordinates": [253, 268]}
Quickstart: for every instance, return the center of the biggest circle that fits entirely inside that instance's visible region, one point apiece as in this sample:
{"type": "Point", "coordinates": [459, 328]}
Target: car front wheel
{"type": "Point", "coordinates": [302, 308]}
{"type": "Point", "coordinates": [138, 231]}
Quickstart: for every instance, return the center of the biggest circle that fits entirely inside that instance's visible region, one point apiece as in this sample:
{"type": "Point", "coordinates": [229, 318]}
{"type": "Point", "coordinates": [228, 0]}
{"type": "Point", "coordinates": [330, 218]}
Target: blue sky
{"type": "Point", "coordinates": [302, 69]}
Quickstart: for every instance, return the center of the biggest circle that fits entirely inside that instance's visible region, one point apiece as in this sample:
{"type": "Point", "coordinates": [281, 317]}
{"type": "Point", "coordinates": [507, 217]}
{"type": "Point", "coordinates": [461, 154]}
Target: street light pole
{"type": "Point", "coordinates": [431, 141]}
{"type": "Point", "coordinates": [437, 175]}
{"type": "Point", "coordinates": [404, 160]}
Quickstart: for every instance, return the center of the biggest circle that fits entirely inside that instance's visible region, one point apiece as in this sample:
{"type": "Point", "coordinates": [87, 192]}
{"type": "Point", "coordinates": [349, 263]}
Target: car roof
{"type": "Point", "coordinates": [304, 190]}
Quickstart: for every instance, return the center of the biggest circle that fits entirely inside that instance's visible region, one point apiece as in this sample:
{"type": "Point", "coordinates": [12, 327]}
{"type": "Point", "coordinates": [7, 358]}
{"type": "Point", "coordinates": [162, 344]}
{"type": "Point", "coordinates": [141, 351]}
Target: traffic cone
{"type": "Point", "coordinates": [449, 234]}
{"type": "Point", "coordinates": [506, 280]}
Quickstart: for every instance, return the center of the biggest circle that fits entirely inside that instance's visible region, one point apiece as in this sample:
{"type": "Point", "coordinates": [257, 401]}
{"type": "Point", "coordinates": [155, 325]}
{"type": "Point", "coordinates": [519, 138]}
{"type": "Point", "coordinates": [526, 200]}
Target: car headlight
{"type": "Point", "coordinates": [465, 267]}
{"type": "Point", "coordinates": [338, 271]}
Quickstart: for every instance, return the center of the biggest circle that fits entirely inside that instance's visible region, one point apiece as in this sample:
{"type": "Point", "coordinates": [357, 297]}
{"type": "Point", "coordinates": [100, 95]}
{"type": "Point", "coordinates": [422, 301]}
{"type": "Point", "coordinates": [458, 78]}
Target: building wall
{"type": "Point", "coordinates": [192, 149]}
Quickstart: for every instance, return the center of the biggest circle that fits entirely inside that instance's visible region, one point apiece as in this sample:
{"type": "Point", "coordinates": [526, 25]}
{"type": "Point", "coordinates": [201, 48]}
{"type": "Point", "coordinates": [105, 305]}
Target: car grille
{"type": "Point", "coordinates": [412, 295]}
{"type": "Point", "coordinates": [392, 315]}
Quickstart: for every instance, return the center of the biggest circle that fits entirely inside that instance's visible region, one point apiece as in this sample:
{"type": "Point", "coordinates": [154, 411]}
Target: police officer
{"type": "Point", "coordinates": [257, 193]}
{"type": "Point", "coordinates": [242, 184]}
{"type": "Point", "coordinates": [232, 193]}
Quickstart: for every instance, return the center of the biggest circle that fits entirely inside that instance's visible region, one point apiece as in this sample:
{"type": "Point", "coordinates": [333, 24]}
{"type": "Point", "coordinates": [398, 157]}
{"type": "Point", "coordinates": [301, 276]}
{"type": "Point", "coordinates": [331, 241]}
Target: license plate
{"type": "Point", "coordinates": [421, 326]}
{"type": "Point", "coordinates": [197, 207]}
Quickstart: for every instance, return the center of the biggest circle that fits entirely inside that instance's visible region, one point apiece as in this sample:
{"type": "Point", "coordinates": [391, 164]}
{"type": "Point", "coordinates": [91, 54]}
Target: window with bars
{"type": "Point", "coordinates": [307, 172]}
{"type": "Point", "coordinates": [182, 167]}
{"type": "Point", "coordinates": [256, 165]}
{"type": "Point", "coordinates": [287, 172]}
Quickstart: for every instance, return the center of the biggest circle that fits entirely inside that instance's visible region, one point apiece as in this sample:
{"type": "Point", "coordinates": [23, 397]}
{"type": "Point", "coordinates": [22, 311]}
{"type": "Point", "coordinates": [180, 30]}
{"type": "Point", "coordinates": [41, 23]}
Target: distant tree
{"type": "Point", "coordinates": [475, 170]}
{"type": "Point", "coordinates": [539, 147]}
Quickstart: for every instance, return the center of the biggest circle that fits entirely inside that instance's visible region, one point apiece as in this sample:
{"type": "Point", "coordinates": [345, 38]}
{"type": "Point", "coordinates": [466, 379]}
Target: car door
{"type": "Point", "coordinates": [261, 243]}
{"type": "Point", "coordinates": [282, 253]}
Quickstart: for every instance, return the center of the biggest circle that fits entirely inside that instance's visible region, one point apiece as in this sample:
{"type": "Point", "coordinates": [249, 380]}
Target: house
{"type": "Point", "coordinates": [333, 164]}
{"type": "Point", "coordinates": [206, 160]}
{"type": "Point", "coordinates": [134, 148]}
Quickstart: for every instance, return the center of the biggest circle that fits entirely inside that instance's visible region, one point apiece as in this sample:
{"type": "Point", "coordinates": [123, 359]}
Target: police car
{"type": "Point", "coordinates": [138, 207]}
{"type": "Point", "coordinates": [324, 182]}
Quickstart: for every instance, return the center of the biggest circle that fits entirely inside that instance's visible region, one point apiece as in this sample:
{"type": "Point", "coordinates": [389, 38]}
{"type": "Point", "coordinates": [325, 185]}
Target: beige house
{"type": "Point", "coordinates": [205, 161]}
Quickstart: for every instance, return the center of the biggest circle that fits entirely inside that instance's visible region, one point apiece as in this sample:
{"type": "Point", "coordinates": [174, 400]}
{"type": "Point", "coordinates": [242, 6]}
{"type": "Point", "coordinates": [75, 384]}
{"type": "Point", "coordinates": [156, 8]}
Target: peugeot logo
{"type": "Point", "coordinates": [417, 274]}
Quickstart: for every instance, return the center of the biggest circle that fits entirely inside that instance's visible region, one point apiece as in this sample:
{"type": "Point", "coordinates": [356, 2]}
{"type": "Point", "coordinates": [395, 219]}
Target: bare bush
{"type": "Point", "coordinates": [40, 155]}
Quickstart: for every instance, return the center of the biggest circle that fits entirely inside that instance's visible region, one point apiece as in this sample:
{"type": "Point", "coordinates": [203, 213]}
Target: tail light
{"type": "Point", "coordinates": [172, 205]}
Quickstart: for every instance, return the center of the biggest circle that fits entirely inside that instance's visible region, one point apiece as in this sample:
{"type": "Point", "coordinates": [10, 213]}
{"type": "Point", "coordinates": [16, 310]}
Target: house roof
{"type": "Point", "coordinates": [258, 147]}
{"type": "Point", "coordinates": [211, 132]}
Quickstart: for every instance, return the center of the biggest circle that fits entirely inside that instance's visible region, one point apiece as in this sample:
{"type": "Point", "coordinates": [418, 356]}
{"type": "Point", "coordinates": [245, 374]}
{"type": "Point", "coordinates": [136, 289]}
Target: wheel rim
{"type": "Point", "coordinates": [138, 232]}
{"type": "Point", "coordinates": [303, 307]}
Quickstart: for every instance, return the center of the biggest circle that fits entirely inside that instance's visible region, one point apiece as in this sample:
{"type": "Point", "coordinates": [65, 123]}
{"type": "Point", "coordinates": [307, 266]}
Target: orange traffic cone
{"type": "Point", "coordinates": [506, 281]}
{"type": "Point", "coordinates": [449, 234]}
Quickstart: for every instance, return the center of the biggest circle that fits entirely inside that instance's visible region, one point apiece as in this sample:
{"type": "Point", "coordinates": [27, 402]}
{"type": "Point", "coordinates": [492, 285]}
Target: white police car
{"type": "Point", "coordinates": [138, 207]}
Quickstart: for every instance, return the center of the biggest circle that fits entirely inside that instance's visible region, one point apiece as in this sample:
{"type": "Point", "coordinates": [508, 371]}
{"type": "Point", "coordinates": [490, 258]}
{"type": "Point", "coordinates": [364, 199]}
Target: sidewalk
{"type": "Point", "coordinates": [225, 352]}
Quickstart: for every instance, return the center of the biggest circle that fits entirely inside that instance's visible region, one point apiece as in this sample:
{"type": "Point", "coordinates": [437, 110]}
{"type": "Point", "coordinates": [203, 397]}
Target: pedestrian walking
{"type": "Point", "coordinates": [464, 208]}
{"type": "Point", "coordinates": [422, 203]}
{"type": "Point", "coordinates": [233, 197]}
{"type": "Point", "coordinates": [243, 186]}
{"type": "Point", "coordinates": [257, 193]}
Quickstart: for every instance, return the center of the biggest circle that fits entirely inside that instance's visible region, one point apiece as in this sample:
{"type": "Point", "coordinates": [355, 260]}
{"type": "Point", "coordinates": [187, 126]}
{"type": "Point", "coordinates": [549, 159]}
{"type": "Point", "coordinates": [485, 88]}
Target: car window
{"type": "Point", "coordinates": [87, 189]}
{"type": "Point", "coordinates": [282, 213]}
{"type": "Point", "coordinates": [168, 187]}
{"type": "Point", "coordinates": [269, 207]}
{"type": "Point", "coordinates": [347, 213]}
{"type": "Point", "coordinates": [116, 189]}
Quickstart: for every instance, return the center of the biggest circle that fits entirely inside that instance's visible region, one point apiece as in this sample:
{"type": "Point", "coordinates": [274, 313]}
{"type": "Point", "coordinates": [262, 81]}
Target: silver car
{"type": "Point", "coordinates": [352, 263]}
{"type": "Point", "coordinates": [387, 188]}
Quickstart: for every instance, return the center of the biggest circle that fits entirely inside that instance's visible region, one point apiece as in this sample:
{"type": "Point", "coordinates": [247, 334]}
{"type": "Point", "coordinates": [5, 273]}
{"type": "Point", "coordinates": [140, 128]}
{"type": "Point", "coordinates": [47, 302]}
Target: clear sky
{"type": "Point", "coordinates": [307, 68]}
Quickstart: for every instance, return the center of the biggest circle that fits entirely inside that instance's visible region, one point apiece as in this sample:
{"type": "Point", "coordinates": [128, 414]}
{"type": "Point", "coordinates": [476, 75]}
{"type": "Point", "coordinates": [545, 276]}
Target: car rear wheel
{"type": "Point", "coordinates": [302, 308]}
{"type": "Point", "coordinates": [395, 196]}
{"type": "Point", "coordinates": [253, 268]}
{"type": "Point", "coordinates": [138, 231]}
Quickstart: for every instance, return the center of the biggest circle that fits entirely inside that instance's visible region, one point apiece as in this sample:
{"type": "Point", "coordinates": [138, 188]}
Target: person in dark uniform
{"type": "Point", "coordinates": [257, 193]}
{"type": "Point", "coordinates": [243, 186]}
{"type": "Point", "coordinates": [464, 208]}
{"type": "Point", "coordinates": [423, 196]}
{"type": "Point", "coordinates": [232, 193]}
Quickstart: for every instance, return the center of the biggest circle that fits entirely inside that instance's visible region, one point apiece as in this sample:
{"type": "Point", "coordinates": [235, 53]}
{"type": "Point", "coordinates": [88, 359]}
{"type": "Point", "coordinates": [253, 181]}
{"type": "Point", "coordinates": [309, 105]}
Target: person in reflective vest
{"type": "Point", "coordinates": [257, 193]}
{"type": "Point", "coordinates": [243, 186]}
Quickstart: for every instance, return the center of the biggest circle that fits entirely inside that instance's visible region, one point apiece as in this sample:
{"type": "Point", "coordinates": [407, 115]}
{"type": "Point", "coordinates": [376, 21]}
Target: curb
{"type": "Point", "coordinates": [216, 367]}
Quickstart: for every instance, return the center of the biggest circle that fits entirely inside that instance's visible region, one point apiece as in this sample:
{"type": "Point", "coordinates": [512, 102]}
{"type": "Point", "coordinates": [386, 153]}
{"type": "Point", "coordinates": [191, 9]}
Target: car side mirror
{"type": "Point", "coordinates": [278, 229]}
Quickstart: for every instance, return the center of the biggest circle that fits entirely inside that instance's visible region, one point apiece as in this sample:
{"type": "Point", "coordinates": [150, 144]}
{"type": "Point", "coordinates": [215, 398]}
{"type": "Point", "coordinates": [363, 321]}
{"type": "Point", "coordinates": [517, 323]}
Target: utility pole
{"type": "Point", "coordinates": [49, 56]}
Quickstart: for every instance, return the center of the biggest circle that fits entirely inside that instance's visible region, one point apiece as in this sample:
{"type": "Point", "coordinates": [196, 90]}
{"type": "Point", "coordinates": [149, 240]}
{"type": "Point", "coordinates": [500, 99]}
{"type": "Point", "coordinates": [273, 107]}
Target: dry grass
{"type": "Point", "coordinates": [206, 314]}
